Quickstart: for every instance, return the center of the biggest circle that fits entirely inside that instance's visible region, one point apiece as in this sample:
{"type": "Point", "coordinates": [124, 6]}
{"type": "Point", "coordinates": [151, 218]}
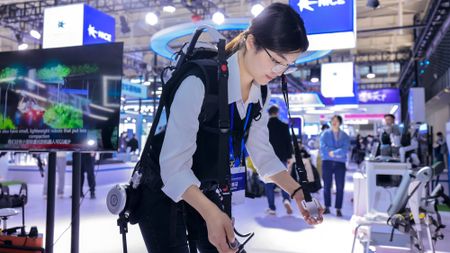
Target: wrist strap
{"type": "Point", "coordinates": [296, 190]}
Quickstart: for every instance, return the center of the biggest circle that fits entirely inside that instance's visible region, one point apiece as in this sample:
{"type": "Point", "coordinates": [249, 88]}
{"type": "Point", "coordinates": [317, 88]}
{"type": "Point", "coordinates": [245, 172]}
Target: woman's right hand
{"type": "Point", "coordinates": [220, 230]}
{"type": "Point", "coordinates": [219, 225]}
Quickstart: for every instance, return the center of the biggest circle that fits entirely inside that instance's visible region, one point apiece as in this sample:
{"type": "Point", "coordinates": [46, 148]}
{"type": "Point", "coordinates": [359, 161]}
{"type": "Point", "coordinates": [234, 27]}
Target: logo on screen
{"type": "Point", "coordinates": [372, 96]}
{"type": "Point", "coordinates": [61, 24]}
{"type": "Point", "coordinates": [307, 4]}
{"type": "Point", "coordinates": [98, 34]}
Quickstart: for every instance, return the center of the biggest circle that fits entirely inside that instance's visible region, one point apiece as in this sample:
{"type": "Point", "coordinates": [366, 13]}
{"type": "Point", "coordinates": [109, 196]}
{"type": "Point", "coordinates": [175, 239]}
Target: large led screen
{"type": "Point", "coordinates": [61, 99]}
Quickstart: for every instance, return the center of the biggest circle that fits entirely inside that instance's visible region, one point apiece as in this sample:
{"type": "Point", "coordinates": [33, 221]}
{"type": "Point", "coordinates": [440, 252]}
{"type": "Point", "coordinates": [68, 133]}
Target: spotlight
{"type": "Point", "coordinates": [314, 75]}
{"type": "Point", "coordinates": [218, 17]}
{"type": "Point", "coordinates": [373, 4]}
{"type": "Point", "coordinates": [169, 9]}
{"type": "Point", "coordinates": [22, 46]}
{"type": "Point", "coordinates": [151, 18]}
{"type": "Point", "coordinates": [370, 74]}
{"type": "Point", "coordinates": [257, 9]}
{"type": "Point", "coordinates": [35, 34]}
{"type": "Point", "coordinates": [314, 80]}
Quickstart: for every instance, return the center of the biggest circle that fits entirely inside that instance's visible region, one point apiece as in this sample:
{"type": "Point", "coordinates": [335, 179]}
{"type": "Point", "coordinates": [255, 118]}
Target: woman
{"type": "Point", "coordinates": [274, 41]}
{"type": "Point", "coordinates": [334, 145]}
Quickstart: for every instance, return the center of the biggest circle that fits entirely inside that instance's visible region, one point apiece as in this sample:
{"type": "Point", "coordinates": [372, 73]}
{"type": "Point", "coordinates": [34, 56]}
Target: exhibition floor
{"type": "Point", "coordinates": [273, 234]}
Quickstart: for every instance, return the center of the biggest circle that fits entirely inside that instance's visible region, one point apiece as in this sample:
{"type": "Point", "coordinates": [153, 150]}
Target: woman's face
{"type": "Point", "coordinates": [260, 63]}
{"type": "Point", "coordinates": [335, 122]}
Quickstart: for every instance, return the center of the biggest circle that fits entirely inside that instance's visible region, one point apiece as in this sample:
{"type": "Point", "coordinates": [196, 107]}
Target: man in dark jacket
{"type": "Point", "coordinates": [280, 139]}
{"type": "Point", "coordinates": [133, 144]}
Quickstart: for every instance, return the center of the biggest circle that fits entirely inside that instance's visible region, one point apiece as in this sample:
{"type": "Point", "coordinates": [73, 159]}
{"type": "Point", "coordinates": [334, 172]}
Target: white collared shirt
{"type": "Point", "coordinates": [180, 140]}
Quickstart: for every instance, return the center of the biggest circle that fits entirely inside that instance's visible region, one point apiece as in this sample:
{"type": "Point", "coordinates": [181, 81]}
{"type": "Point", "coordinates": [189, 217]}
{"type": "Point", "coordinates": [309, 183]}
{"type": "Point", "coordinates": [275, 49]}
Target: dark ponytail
{"type": "Point", "coordinates": [235, 44]}
{"type": "Point", "coordinates": [278, 28]}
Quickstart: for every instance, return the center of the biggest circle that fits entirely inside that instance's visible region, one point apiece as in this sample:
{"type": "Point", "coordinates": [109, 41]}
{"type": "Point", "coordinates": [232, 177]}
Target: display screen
{"type": "Point", "coordinates": [61, 99]}
{"type": "Point", "coordinates": [296, 124]}
{"type": "Point", "coordinates": [311, 129]}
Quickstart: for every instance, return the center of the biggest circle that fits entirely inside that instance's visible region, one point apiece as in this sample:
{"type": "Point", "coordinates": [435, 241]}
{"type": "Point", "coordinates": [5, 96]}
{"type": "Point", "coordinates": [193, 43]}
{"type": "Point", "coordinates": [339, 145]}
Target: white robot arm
{"type": "Point", "coordinates": [403, 150]}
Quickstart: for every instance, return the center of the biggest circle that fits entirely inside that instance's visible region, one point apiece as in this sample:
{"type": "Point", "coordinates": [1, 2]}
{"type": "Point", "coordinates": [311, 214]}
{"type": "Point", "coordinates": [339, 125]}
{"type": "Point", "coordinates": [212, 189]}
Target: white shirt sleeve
{"type": "Point", "coordinates": [180, 140]}
{"type": "Point", "coordinates": [259, 148]}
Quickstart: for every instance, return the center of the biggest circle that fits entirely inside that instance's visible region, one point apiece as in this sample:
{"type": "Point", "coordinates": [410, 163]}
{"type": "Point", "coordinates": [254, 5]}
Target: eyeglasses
{"type": "Point", "coordinates": [279, 67]}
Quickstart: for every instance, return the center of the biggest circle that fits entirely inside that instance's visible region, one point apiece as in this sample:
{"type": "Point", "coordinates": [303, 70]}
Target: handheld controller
{"type": "Point", "coordinates": [313, 207]}
{"type": "Point", "coordinates": [234, 245]}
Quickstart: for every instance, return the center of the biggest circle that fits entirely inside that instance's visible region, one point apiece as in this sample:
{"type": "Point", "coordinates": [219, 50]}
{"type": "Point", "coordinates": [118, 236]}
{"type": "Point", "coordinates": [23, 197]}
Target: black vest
{"type": "Point", "coordinates": [205, 158]}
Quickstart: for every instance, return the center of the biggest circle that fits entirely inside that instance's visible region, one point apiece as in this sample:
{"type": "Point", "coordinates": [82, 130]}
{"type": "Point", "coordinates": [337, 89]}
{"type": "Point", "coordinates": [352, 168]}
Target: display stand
{"type": "Point", "coordinates": [76, 192]}
{"type": "Point", "coordinates": [50, 221]}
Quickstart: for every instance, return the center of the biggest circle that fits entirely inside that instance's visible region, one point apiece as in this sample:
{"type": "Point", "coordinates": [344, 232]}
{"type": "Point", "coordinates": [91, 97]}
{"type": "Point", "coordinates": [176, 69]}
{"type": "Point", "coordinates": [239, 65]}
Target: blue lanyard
{"type": "Point", "coordinates": [237, 162]}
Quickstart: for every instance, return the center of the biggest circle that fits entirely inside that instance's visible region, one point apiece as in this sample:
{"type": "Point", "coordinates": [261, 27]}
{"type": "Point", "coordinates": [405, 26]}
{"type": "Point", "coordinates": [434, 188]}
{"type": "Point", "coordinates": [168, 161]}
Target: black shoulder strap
{"type": "Point", "coordinates": [264, 94]}
{"type": "Point", "coordinates": [224, 172]}
{"type": "Point", "coordinates": [257, 110]}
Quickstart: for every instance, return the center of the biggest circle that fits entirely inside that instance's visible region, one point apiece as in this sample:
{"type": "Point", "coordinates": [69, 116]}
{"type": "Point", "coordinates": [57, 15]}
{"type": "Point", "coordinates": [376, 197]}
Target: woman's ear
{"type": "Point", "coordinates": [250, 42]}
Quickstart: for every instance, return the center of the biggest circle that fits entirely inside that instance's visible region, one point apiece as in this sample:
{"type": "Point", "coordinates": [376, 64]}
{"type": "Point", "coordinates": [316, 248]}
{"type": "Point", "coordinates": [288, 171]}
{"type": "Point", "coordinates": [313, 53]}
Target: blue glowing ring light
{"type": "Point", "coordinates": [159, 43]}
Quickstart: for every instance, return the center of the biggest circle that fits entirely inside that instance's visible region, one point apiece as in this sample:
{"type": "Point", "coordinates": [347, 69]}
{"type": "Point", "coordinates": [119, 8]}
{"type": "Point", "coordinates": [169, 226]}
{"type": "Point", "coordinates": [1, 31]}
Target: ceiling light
{"type": "Point", "coordinates": [314, 75]}
{"type": "Point", "coordinates": [394, 109]}
{"type": "Point", "coordinates": [342, 108]}
{"type": "Point", "coordinates": [218, 17]}
{"type": "Point", "coordinates": [356, 121]}
{"type": "Point", "coordinates": [35, 34]}
{"type": "Point", "coordinates": [370, 75]}
{"type": "Point", "coordinates": [319, 112]}
{"type": "Point", "coordinates": [151, 18]}
{"type": "Point", "coordinates": [169, 9]}
{"type": "Point", "coordinates": [136, 80]}
{"type": "Point", "coordinates": [257, 9]}
{"type": "Point", "coordinates": [22, 46]}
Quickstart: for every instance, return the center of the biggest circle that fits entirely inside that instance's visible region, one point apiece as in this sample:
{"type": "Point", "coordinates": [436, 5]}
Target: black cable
{"type": "Point", "coordinates": [300, 167]}
{"type": "Point", "coordinates": [81, 202]}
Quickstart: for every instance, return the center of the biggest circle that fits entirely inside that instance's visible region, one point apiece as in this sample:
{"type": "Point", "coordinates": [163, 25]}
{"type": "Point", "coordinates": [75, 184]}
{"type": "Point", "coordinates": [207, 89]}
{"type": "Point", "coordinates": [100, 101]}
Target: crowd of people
{"type": "Point", "coordinates": [334, 145]}
{"type": "Point", "coordinates": [336, 149]}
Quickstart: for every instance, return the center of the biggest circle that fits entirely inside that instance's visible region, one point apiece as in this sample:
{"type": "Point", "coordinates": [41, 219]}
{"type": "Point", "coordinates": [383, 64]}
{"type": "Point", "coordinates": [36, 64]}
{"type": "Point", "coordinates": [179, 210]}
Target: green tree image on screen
{"type": "Point", "coordinates": [63, 116]}
{"type": "Point", "coordinates": [6, 123]}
